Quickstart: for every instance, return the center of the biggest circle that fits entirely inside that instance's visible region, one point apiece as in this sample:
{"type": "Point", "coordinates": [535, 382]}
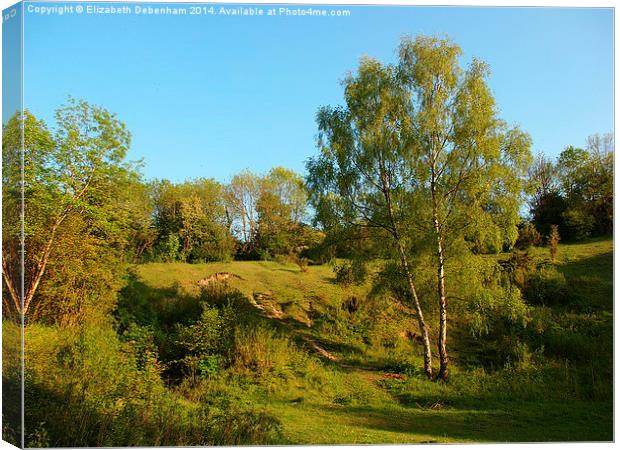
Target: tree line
{"type": "Point", "coordinates": [202, 220]}
{"type": "Point", "coordinates": [574, 192]}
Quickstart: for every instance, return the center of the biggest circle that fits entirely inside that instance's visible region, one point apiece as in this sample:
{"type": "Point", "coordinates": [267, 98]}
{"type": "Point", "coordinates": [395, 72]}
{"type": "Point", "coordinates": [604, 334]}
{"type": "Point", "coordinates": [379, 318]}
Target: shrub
{"type": "Point", "coordinates": [167, 248]}
{"type": "Point", "coordinates": [84, 387]}
{"type": "Point", "coordinates": [540, 284]}
{"type": "Point", "coordinates": [578, 224]}
{"type": "Point", "coordinates": [553, 241]}
{"type": "Point", "coordinates": [528, 236]}
{"type": "Point", "coordinates": [546, 286]}
{"type": "Point", "coordinates": [202, 344]}
{"type": "Point", "coordinates": [353, 272]}
{"type": "Point", "coordinates": [264, 354]}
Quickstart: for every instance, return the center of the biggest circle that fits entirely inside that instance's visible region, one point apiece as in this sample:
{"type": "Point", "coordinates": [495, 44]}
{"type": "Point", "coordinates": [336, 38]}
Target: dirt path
{"type": "Point", "coordinates": [271, 309]}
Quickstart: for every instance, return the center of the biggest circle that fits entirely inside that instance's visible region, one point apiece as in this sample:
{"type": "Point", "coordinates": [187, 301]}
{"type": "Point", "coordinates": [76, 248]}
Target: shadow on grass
{"type": "Point", "coordinates": [591, 280]}
{"type": "Point", "coordinates": [288, 269]}
{"type": "Point", "coordinates": [12, 410]}
{"type": "Point", "coordinates": [518, 422]}
{"type": "Point", "coordinates": [146, 305]}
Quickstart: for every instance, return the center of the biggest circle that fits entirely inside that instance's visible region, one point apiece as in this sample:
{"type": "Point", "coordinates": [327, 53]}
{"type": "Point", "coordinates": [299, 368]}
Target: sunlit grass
{"type": "Point", "coordinates": [348, 401]}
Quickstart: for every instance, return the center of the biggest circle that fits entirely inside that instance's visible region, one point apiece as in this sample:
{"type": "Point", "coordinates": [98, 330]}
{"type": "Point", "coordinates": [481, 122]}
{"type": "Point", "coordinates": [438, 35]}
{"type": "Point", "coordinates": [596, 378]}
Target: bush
{"type": "Point", "coordinates": [203, 344]}
{"type": "Point", "coordinates": [84, 387]}
{"type": "Point", "coordinates": [528, 236]}
{"type": "Point", "coordinates": [578, 224]}
{"type": "Point", "coordinates": [553, 240]}
{"type": "Point", "coordinates": [261, 352]}
{"type": "Point", "coordinates": [353, 272]}
{"type": "Point", "coordinates": [540, 284]}
{"type": "Point", "coordinates": [167, 248]}
{"type": "Point", "coordinates": [206, 345]}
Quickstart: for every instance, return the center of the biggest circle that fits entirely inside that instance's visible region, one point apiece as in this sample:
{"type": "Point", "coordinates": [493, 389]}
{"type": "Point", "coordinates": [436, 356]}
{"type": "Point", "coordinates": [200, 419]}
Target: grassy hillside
{"type": "Point", "coordinates": [353, 377]}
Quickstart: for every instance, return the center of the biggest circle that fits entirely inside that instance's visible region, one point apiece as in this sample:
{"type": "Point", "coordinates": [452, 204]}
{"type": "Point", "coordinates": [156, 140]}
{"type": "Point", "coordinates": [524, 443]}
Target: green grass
{"type": "Point", "coordinates": [589, 268]}
{"type": "Point", "coordinates": [287, 282]}
{"type": "Point", "coordinates": [350, 402]}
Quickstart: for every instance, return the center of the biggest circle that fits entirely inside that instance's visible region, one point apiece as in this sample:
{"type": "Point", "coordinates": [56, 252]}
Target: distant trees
{"type": "Point", "coordinates": [242, 194]}
{"type": "Point", "coordinates": [281, 209]}
{"type": "Point", "coordinates": [251, 217]}
{"type": "Point", "coordinates": [191, 222]}
{"type": "Point", "coordinates": [576, 191]}
{"type": "Point", "coordinates": [416, 156]}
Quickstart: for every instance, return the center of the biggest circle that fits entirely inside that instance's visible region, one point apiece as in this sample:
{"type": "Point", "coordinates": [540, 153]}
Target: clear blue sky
{"type": "Point", "coordinates": [209, 96]}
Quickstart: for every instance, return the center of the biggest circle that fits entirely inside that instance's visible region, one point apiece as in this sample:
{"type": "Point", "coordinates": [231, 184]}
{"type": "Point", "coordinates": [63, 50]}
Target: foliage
{"type": "Point", "coordinates": [207, 345]}
{"type": "Point", "coordinates": [243, 193]}
{"type": "Point", "coordinates": [528, 236]}
{"type": "Point", "coordinates": [576, 191]}
{"type": "Point", "coordinates": [423, 136]}
{"type": "Point", "coordinates": [350, 272]}
{"type": "Point", "coordinates": [540, 282]}
{"type": "Point", "coordinates": [192, 221]}
{"type": "Point", "coordinates": [281, 210]}
{"type": "Point", "coordinates": [89, 391]}
{"type": "Point", "coordinates": [417, 185]}
{"type": "Point", "coordinates": [578, 224]}
{"type": "Point", "coordinates": [75, 179]}
{"type": "Point", "coordinates": [553, 240]}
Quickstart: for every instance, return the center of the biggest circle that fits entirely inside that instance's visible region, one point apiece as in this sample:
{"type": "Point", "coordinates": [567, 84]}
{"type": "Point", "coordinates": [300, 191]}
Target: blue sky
{"type": "Point", "coordinates": [209, 96]}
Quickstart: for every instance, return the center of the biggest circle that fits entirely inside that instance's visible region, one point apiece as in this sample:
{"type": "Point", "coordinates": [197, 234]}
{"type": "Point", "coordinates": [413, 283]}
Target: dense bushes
{"type": "Point", "coordinates": [350, 272]}
{"type": "Point", "coordinates": [90, 390]}
{"type": "Point", "coordinates": [540, 282]}
{"type": "Point", "coordinates": [528, 236]}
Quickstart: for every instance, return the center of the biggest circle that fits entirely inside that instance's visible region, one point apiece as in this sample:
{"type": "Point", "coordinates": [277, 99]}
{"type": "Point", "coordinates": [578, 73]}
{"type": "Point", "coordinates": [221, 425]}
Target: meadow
{"type": "Point", "coordinates": [325, 376]}
{"type": "Point", "coordinates": [378, 394]}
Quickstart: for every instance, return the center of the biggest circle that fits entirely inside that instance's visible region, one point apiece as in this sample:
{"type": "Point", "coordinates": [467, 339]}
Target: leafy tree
{"type": "Point", "coordinates": [359, 180]}
{"type": "Point", "coordinates": [242, 195]}
{"type": "Point", "coordinates": [38, 150]}
{"type": "Point", "coordinates": [192, 221]}
{"type": "Point", "coordinates": [543, 176]}
{"type": "Point", "coordinates": [281, 209]}
{"type": "Point", "coordinates": [547, 205]}
{"type": "Point", "coordinates": [575, 193]}
{"type": "Point", "coordinates": [548, 210]}
{"type": "Point", "coordinates": [577, 223]}
{"type": "Point", "coordinates": [468, 167]}
{"type": "Point", "coordinates": [569, 168]}
{"type": "Point", "coordinates": [72, 178]}
{"type": "Point", "coordinates": [417, 153]}
{"type": "Point", "coordinates": [141, 230]}
{"type": "Point", "coordinates": [599, 192]}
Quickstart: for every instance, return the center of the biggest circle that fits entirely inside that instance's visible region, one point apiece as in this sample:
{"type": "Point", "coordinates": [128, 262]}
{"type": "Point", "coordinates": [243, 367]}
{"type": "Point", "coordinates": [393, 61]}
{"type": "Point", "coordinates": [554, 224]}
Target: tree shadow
{"type": "Point", "coordinates": [146, 305]}
{"type": "Point", "coordinates": [288, 269]}
{"type": "Point", "coordinates": [590, 280]}
{"type": "Point", "coordinates": [505, 423]}
{"type": "Point", "coordinates": [11, 410]}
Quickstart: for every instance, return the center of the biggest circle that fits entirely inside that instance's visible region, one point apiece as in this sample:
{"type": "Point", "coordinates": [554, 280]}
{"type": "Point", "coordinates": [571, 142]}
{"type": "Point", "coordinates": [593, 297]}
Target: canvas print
{"type": "Point", "coordinates": [268, 224]}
